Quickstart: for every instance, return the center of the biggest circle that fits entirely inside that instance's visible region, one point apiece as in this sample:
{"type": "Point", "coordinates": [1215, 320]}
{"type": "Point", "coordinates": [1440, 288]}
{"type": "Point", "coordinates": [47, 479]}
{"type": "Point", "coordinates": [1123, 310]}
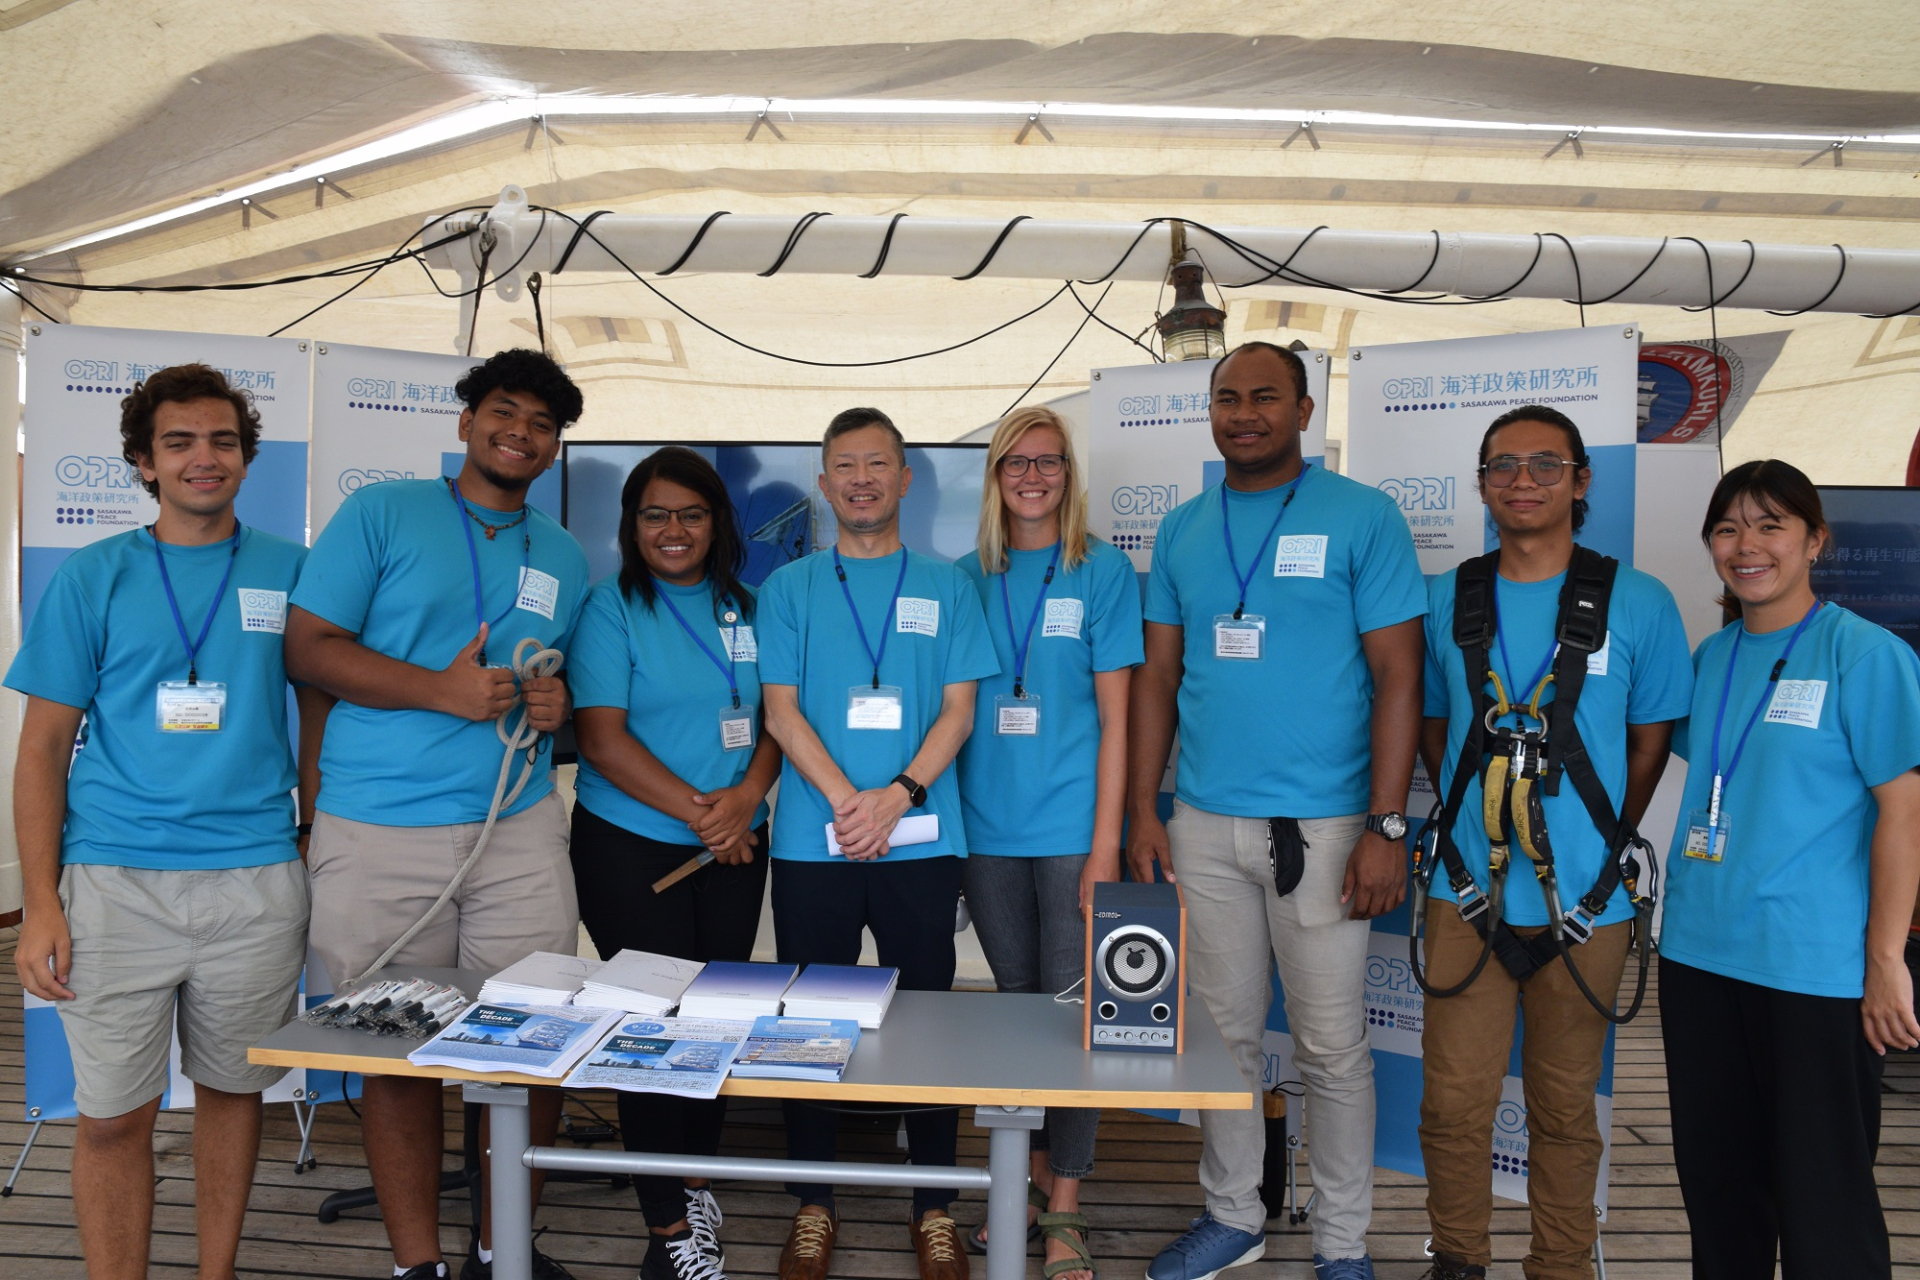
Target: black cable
{"type": "Point", "coordinates": [793, 242]}
{"type": "Point", "coordinates": [1000, 240]}
{"type": "Point", "coordinates": [20, 294]}
{"type": "Point", "coordinates": [1579, 289]}
{"type": "Point", "coordinates": [539, 325]}
{"type": "Point", "coordinates": [1823, 297]}
{"type": "Point", "coordinates": [1158, 358]}
{"type": "Point", "coordinates": [685, 253]}
{"type": "Point", "coordinates": [886, 245]}
{"type": "Point", "coordinates": [323, 306]}
{"type": "Point", "coordinates": [1121, 261]}
{"type": "Point", "coordinates": [473, 322]}
{"type": "Point", "coordinates": [818, 364]}
{"type": "Point", "coordinates": [1281, 268]}
{"type": "Point", "coordinates": [1643, 271]}
{"type": "Point", "coordinates": [1432, 262]}
{"type": "Point", "coordinates": [580, 230]}
{"type": "Point", "coordinates": [1719, 383]}
{"type": "Point", "coordinates": [1539, 247]}
{"type": "Point", "coordinates": [1753, 256]}
{"type": "Point", "coordinates": [1063, 350]}
{"type": "Point", "coordinates": [483, 282]}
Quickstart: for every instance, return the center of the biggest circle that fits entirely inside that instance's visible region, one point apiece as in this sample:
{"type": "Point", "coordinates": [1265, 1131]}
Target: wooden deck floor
{"type": "Point", "coordinates": [1142, 1193]}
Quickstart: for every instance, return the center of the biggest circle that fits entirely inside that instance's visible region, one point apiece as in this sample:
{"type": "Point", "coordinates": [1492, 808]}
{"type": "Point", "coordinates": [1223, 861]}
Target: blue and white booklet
{"type": "Point", "coordinates": [860, 992]}
{"type": "Point", "coordinates": [736, 990]}
{"type": "Point", "coordinates": [797, 1049]}
{"type": "Point", "coordinates": [688, 1057]}
{"type": "Point", "coordinates": [534, 1040]}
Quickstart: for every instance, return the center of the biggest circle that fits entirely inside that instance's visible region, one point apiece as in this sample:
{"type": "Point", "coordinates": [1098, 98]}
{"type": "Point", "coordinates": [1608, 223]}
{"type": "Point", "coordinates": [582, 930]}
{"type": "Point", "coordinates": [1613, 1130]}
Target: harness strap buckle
{"type": "Point", "coordinates": [1577, 924]}
{"type": "Point", "coordinates": [1472, 902]}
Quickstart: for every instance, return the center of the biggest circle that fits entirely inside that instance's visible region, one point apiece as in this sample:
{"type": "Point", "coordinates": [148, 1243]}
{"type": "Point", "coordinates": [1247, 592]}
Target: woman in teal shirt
{"type": "Point", "coordinates": [1042, 777]}
{"type": "Point", "coordinates": [1791, 880]}
{"type": "Point", "coordinates": [664, 670]}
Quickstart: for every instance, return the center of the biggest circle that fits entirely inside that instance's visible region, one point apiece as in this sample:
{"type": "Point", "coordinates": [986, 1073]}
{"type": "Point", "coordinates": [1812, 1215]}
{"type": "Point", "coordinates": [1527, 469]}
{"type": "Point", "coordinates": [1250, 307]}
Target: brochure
{"type": "Point", "coordinates": [915, 828]}
{"type": "Point", "coordinates": [545, 977]}
{"type": "Point", "coordinates": [639, 982]}
{"type": "Point", "coordinates": [797, 1049]}
{"type": "Point", "coordinates": [739, 990]}
{"type": "Point", "coordinates": [535, 1040]}
{"type": "Point", "coordinates": [684, 1056]}
{"type": "Point", "coordinates": [860, 992]}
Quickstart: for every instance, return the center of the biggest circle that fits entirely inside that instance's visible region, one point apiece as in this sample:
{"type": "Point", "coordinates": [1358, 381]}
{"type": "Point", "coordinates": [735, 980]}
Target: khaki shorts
{"type": "Point", "coordinates": [217, 952]}
{"type": "Point", "coordinates": [371, 882]}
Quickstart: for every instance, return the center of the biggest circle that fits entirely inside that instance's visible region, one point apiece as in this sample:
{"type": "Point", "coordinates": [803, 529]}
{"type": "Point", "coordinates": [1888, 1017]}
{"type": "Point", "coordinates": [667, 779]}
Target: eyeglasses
{"type": "Point", "coordinates": [1047, 464]}
{"type": "Point", "coordinates": [689, 517]}
{"type": "Point", "coordinates": [1543, 467]}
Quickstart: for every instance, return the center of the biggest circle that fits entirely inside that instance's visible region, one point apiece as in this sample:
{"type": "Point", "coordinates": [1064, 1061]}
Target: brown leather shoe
{"type": "Point", "coordinates": [809, 1247]}
{"type": "Point", "coordinates": [936, 1242]}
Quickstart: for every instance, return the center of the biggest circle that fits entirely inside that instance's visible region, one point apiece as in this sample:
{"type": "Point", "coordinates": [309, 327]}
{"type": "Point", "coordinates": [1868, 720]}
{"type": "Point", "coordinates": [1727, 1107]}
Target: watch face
{"type": "Point", "coordinates": [1392, 826]}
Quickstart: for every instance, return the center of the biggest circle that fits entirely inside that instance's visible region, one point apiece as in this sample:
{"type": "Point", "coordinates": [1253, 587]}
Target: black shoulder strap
{"type": "Point", "coordinates": [1474, 623]}
{"type": "Point", "coordinates": [1581, 630]}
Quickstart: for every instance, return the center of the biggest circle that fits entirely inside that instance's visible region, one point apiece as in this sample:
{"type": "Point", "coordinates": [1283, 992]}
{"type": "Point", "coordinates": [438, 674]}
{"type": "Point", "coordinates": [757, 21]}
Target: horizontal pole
{"type": "Point", "coordinates": [1589, 269]}
{"type": "Point", "coordinates": [817, 1171]}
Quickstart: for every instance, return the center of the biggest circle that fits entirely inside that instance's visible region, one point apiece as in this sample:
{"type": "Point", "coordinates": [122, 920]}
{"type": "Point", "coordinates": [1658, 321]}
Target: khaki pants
{"type": "Point", "coordinates": [1466, 1047]}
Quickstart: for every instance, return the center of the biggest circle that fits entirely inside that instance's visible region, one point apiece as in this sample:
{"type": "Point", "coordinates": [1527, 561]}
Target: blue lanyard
{"type": "Point", "coordinates": [733, 642]}
{"type": "Point", "coordinates": [473, 555]}
{"type": "Point", "coordinates": [1246, 579]}
{"type": "Point", "coordinates": [886, 624]}
{"type": "Point", "coordinates": [1020, 647]}
{"type": "Point", "coordinates": [180, 624]}
{"type": "Point", "coordinates": [1514, 694]}
{"type": "Point", "coordinates": [1726, 691]}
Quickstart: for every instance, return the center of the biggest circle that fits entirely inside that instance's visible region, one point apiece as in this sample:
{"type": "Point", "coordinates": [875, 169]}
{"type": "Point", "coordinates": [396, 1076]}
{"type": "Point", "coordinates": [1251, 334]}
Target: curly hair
{"type": "Point", "coordinates": [523, 369]}
{"type": "Point", "coordinates": [179, 384]}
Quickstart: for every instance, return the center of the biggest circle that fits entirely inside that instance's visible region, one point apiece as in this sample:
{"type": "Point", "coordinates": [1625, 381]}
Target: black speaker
{"type": "Point", "coordinates": [1136, 968]}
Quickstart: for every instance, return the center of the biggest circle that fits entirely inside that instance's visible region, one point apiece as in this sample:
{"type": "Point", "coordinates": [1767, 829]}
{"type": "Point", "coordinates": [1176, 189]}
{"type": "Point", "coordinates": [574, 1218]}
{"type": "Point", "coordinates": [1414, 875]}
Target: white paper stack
{"type": "Point", "coordinates": [859, 992]}
{"type": "Point", "coordinates": [545, 977]}
{"type": "Point", "coordinates": [736, 991]}
{"type": "Point", "coordinates": [638, 982]}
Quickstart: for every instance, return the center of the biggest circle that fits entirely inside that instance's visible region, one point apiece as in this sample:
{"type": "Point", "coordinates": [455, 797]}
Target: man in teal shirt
{"type": "Point", "coordinates": [869, 654]}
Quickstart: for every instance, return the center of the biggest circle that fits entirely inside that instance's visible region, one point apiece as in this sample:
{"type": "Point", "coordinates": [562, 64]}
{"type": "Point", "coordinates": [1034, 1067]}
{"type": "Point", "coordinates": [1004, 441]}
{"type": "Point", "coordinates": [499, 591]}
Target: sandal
{"type": "Point", "coordinates": [1071, 1230]}
{"type": "Point", "coordinates": [976, 1239]}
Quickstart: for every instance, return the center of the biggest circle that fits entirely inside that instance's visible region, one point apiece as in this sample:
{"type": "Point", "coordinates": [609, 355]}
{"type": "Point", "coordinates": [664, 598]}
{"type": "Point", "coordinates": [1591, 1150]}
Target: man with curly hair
{"type": "Point", "coordinates": [160, 862]}
{"type": "Point", "coordinates": [409, 610]}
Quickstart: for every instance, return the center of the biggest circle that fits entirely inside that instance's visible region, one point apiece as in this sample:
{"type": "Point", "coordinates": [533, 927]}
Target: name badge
{"type": "Point", "coordinates": [1016, 717]}
{"type": "Point", "coordinates": [1241, 639]}
{"type": "Point", "coordinates": [739, 643]}
{"type": "Point", "coordinates": [1797, 702]}
{"type": "Point", "coordinates": [871, 708]}
{"type": "Point", "coordinates": [913, 616]}
{"type": "Point", "coordinates": [1063, 619]}
{"type": "Point", "coordinates": [736, 728]}
{"type": "Point", "coordinates": [1699, 827]}
{"type": "Point", "coordinates": [179, 707]}
{"type": "Point", "coordinates": [262, 610]}
{"type": "Point", "coordinates": [1300, 555]}
{"type": "Point", "coordinates": [539, 593]}
{"type": "Point", "coordinates": [1597, 660]}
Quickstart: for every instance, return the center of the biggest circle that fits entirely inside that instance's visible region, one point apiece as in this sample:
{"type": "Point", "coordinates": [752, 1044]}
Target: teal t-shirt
{"type": "Point", "coordinates": [392, 567]}
{"type": "Point", "coordinates": [1287, 735]}
{"type": "Point", "coordinates": [628, 654]}
{"type": "Point", "coordinates": [103, 639]}
{"type": "Point", "coordinates": [935, 636]}
{"type": "Point", "coordinates": [1032, 795]}
{"type": "Point", "coordinates": [1642, 674]}
{"type": "Point", "coordinates": [1787, 907]}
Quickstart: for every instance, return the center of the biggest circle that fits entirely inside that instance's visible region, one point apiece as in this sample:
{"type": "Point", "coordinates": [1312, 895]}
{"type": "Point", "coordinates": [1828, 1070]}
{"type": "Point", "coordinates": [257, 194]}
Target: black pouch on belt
{"type": "Point", "coordinates": [1287, 850]}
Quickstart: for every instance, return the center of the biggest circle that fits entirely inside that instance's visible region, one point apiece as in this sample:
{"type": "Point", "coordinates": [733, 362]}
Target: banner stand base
{"type": "Point", "coordinates": [14, 1177]}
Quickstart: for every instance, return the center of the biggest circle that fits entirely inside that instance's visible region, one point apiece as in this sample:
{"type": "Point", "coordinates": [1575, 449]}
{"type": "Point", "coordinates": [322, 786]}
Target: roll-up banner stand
{"type": "Point", "coordinates": [390, 415]}
{"type": "Point", "coordinates": [78, 489]}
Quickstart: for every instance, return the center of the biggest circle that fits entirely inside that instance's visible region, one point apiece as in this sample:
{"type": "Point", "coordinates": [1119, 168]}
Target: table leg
{"type": "Point", "coordinates": [1008, 1138]}
{"type": "Point", "coordinates": [509, 1181]}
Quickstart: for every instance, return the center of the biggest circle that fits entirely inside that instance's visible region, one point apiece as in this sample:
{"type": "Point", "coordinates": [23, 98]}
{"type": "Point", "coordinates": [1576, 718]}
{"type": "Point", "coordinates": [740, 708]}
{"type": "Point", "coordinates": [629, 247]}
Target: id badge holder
{"type": "Point", "coordinates": [179, 707]}
{"type": "Point", "coordinates": [1241, 639]}
{"type": "Point", "coordinates": [1016, 717]}
{"type": "Point", "coordinates": [1699, 822]}
{"type": "Point", "coordinates": [736, 728]}
{"type": "Point", "coordinates": [874, 707]}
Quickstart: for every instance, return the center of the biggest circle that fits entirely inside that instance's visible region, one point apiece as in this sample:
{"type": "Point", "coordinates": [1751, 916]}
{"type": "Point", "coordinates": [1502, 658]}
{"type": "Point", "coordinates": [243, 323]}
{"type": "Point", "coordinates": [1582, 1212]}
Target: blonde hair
{"type": "Point", "coordinates": [994, 519]}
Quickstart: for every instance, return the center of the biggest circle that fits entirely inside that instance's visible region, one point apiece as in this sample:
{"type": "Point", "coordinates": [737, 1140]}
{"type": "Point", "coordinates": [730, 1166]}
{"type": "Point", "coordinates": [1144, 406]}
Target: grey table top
{"type": "Point", "coordinates": [968, 1047]}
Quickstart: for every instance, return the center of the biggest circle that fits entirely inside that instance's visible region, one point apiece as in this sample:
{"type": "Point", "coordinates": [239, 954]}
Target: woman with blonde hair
{"type": "Point", "coordinates": [1043, 776]}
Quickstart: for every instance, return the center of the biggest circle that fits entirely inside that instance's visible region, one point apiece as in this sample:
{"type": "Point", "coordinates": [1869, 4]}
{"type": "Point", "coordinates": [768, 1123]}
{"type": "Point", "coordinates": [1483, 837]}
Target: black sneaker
{"type": "Point", "coordinates": [544, 1268]}
{"type": "Point", "coordinates": [679, 1256]}
{"type": "Point", "coordinates": [1447, 1267]}
{"type": "Point", "coordinates": [703, 1218]}
{"type": "Point", "coordinates": [425, 1271]}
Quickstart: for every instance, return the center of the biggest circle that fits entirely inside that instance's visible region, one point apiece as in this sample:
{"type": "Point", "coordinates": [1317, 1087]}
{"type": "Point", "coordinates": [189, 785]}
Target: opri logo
{"type": "Point", "coordinates": [93, 472]}
{"type": "Point", "coordinates": [1421, 493]}
{"type": "Point", "coordinates": [1145, 499]}
{"type": "Point", "coordinates": [354, 479]}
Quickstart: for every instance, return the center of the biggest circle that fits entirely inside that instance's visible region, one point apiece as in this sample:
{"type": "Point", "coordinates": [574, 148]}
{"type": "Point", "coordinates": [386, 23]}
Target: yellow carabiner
{"type": "Point", "coordinates": [1502, 706]}
{"type": "Point", "coordinates": [1533, 706]}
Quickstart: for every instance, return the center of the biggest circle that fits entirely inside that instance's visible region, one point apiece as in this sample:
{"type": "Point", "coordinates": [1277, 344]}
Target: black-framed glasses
{"type": "Point", "coordinates": [689, 517]}
{"type": "Point", "coordinates": [1047, 464]}
{"type": "Point", "coordinates": [1545, 468]}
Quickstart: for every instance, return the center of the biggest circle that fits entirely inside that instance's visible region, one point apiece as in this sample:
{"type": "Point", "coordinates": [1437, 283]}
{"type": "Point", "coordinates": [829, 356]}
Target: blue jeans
{"type": "Point", "coordinates": [1027, 913]}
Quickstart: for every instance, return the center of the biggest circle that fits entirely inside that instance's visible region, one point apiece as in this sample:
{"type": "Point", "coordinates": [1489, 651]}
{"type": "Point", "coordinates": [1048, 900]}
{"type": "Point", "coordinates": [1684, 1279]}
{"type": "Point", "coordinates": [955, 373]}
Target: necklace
{"type": "Point", "coordinates": [491, 529]}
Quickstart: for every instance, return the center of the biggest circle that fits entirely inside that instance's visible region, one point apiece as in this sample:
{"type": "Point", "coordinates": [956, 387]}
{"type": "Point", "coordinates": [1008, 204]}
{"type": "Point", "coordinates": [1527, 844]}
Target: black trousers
{"type": "Point", "coordinates": [713, 914]}
{"type": "Point", "coordinates": [819, 910]}
{"type": "Point", "coordinates": [1776, 1121]}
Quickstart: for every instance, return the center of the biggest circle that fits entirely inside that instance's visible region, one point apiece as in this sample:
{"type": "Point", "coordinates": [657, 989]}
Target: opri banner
{"type": "Point", "coordinates": [76, 486]}
{"type": "Point", "coordinates": [1417, 412]}
{"type": "Point", "coordinates": [390, 415]}
{"type": "Point", "coordinates": [1151, 445]}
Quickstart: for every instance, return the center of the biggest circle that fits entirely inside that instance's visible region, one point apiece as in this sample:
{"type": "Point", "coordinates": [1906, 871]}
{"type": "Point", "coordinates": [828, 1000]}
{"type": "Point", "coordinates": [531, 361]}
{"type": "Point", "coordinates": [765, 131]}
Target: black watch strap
{"type": "Point", "coordinates": [916, 794]}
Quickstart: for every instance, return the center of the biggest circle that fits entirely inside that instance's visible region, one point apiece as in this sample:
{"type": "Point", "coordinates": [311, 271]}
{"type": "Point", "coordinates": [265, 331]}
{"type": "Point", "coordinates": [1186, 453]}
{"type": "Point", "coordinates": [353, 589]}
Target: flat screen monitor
{"type": "Point", "coordinates": [1873, 567]}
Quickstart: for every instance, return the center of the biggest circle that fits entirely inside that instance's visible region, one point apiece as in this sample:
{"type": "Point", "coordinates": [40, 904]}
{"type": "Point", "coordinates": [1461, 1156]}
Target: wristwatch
{"type": "Point", "coordinates": [917, 794]}
{"type": "Point", "coordinates": [1391, 825]}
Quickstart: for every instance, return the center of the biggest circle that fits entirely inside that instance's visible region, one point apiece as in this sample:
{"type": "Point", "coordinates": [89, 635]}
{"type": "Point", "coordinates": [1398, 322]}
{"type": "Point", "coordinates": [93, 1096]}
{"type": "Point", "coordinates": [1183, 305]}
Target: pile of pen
{"type": "Point", "coordinates": [414, 1009]}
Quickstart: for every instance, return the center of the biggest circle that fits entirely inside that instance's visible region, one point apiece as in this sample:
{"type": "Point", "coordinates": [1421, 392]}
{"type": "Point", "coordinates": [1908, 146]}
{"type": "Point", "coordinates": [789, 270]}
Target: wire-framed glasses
{"type": "Point", "coordinates": [1047, 464]}
{"type": "Point", "coordinates": [689, 517]}
{"type": "Point", "coordinates": [1545, 468]}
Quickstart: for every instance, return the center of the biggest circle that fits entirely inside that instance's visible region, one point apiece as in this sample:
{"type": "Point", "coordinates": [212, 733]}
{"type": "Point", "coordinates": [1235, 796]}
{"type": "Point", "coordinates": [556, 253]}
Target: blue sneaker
{"type": "Point", "coordinates": [1206, 1250]}
{"type": "Point", "coordinates": [1360, 1268]}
